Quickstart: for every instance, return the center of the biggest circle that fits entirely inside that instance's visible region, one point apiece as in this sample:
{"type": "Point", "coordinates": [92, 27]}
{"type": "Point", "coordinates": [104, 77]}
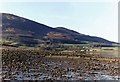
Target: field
{"type": "Point", "coordinates": [38, 64]}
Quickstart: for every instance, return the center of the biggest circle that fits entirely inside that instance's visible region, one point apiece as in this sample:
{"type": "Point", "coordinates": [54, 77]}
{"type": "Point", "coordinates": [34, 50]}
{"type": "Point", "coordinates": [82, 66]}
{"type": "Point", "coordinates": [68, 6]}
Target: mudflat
{"type": "Point", "coordinates": [28, 64]}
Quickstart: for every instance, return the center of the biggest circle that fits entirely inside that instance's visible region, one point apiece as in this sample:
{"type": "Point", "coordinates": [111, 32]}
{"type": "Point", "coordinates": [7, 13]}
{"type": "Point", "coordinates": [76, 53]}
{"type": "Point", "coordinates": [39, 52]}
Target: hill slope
{"type": "Point", "coordinates": [25, 31]}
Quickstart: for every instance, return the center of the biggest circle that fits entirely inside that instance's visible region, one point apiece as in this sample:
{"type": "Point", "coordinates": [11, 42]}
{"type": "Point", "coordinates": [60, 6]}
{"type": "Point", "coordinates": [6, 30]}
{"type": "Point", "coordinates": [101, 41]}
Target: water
{"type": "Point", "coordinates": [78, 69]}
{"type": "Point", "coordinates": [104, 52]}
{"type": "Point", "coordinates": [69, 75]}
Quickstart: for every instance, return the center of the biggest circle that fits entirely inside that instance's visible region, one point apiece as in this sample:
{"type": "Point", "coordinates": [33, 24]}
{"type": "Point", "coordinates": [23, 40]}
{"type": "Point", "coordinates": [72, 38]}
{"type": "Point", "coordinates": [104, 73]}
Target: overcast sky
{"type": "Point", "coordinates": [91, 18]}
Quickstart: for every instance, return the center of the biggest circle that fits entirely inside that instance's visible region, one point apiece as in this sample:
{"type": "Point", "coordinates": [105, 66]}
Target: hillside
{"type": "Point", "coordinates": [28, 32]}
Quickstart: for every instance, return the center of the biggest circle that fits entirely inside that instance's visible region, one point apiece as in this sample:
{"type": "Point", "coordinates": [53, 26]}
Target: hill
{"type": "Point", "coordinates": [28, 32]}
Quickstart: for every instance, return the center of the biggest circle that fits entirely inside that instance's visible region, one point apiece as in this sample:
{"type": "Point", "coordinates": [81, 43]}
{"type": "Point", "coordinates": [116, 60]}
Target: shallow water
{"type": "Point", "coordinates": [114, 53]}
{"type": "Point", "coordinates": [37, 67]}
{"type": "Point", "coordinates": [69, 76]}
{"type": "Point", "coordinates": [54, 64]}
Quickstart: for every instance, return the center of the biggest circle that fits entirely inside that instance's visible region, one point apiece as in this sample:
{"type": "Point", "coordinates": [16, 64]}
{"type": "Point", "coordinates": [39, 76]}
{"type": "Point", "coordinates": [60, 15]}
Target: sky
{"type": "Point", "coordinates": [90, 18]}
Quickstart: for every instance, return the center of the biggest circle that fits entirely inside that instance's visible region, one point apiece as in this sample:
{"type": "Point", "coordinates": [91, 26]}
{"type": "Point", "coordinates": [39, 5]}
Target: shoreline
{"type": "Point", "coordinates": [88, 56]}
{"type": "Point", "coordinates": [42, 65]}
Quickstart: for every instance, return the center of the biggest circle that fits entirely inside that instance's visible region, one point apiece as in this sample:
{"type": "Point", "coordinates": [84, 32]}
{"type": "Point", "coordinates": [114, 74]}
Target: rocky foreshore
{"type": "Point", "coordinates": [21, 64]}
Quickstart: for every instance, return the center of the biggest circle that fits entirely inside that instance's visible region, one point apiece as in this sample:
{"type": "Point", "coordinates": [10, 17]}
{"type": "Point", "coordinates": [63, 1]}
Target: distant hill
{"type": "Point", "coordinates": [29, 32]}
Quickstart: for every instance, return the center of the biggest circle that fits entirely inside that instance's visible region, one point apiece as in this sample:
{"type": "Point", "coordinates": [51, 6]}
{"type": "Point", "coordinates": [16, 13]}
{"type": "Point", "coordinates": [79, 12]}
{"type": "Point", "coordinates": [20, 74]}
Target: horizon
{"type": "Point", "coordinates": [67, 15]}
